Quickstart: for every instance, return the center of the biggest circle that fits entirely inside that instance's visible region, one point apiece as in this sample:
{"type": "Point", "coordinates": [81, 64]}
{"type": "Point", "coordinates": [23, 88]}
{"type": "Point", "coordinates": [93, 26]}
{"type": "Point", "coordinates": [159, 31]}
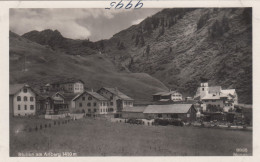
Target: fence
{"type": "Point", "coordinates": [47, 125]}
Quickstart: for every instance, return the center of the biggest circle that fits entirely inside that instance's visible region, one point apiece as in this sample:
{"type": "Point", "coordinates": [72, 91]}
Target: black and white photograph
{"type": "Point", "coordinates": [105, 82]}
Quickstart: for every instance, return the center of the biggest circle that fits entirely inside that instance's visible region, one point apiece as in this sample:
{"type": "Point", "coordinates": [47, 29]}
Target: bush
{"type": "Point", "coordinates": [163, 122]}
{"type": "Point", "coordinates": [176, 122]}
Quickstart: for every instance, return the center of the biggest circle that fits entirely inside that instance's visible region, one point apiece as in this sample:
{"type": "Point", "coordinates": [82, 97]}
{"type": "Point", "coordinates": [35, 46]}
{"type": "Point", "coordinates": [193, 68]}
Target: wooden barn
{"type": "Point", "coordinates": [133, 112]}
{"type": "Point", "coordinates": [185, 112]}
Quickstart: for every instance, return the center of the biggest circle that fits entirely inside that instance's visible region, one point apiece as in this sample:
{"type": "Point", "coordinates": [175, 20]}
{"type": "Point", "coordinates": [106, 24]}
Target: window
{"type": "Point", "coordinates": [188, 115]}
{"type": "Point", "coordinates": [95, 104]}
{"type": "Point", "coordinates": [18, 98]}
{"type": "Point", "coordinates": [80, 104]}
{"type": "Point", "coordinates": [31, 98]}
{"type": "Point", "coordinates": [19, 107]}
{"type": "Point", "coordinates": [89, 98]}
{"type": "Point", "coordinates": [111, 103]}
{"type": "Point", "coordinates": [25, 98]}
{"type": "Point", "coordinates": [25, 90]}
{"type": "Point", "coordinates": [100, 110]}
{"type": "Point", "coordinates": [83, 98]}
{"type": "Point", "coordinates": [25, 107]}
{"type": "Point", "coordinates": [104, 103]}
{"type": "Point", "coordinates": [111, 97]}
{"type": "Point", "coordinates": [175, 116]}
{"type": "Point", "coordinates": [202, 89]}
{"type": "Point", "coordinates": [95, 110]}
{"type": "Point", "coordinates": [89, 110]}
{"type": "Point", "coordinates": [159, 115]}
{"type": "Point", "coordinates": [31, 107]}
{"type": "Point", "coordinates": [89, 104]}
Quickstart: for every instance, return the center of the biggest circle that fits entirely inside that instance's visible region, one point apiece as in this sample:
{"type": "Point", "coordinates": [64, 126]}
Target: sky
{"type": "Point", "coordinates": [92, 24]}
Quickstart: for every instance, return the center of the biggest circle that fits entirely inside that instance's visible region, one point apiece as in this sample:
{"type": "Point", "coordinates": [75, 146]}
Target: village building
{"type": "Point", "coordinates": [22, 100]}
{"type": "Point", "coordinates": [167, 96]}
{"type": "Point", "coordinates": [69, 99]}
{"type": "Point", "coordinates": [216, 96]}
{"type": "Point", "coordinates": [68, 86]}
{"type": "Point", "coordinates": [51, 104]}
{"type": "Point", "coordinates": [117, 100]}
{"type": "Point", "coordinates": [185, 112]}
{"type": "Point", "coordinates": [91, 104]}
{"type": "Point", "coordinates": [135, 112]}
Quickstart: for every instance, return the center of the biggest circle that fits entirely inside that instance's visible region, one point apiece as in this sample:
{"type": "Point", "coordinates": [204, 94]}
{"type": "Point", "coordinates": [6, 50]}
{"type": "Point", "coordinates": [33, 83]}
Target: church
{"type": "Point", "coordinates": [215, 95]}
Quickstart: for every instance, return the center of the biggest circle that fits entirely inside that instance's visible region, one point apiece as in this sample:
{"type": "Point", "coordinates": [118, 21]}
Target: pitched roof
{"type": "Point", "coordinates": [14, 88]}
{"type": "Point", "coordinates": [165, 93]}
{"type": "Point", "coordinates": [116, 92]}
{"type": "Point", "coordinates": [97, 96]}
{"type": "Point", "coordinates": [215, 89]}
{"type": "Point", "coordinates": [210, 97]}
{"type": "Point", "coordinates": [169, 93]}
{"type": "Point", "coordinates": [168, 109]}
{"type": "Point", "coordinates": [93, 94]}
{"type": "Point", "coordinates": [228, 91]}
{"type": "Point", "coordinates": [134, 109]}
{"type": "Point", "coordinates": [70, 96]}
{"type": "Point", "coordinates": [51, 94]}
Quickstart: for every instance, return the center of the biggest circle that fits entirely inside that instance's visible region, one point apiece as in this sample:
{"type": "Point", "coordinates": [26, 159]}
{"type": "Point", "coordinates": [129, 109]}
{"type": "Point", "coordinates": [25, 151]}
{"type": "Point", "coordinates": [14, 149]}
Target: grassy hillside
{"type": "Point", "coordinates": [39, 64]}
{"type": "Point", "coordinates": [178, 46]}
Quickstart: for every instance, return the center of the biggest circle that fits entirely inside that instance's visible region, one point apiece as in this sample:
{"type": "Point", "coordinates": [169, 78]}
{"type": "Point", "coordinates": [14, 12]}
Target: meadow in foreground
{"type": "Point", "coordinates": [99, 137]}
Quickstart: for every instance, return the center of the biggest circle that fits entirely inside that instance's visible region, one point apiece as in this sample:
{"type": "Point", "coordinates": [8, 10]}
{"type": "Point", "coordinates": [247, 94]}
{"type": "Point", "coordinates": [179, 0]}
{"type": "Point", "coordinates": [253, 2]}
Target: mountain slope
{"type": "Point", "coordinates": [178, 46]}
{"type": "Point", "coordinates": [37, 65]}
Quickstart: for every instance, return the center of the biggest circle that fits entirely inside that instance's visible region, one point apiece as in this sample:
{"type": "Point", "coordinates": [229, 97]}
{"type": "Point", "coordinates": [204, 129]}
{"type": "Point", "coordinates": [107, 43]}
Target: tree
{"type": "Point", "coordinates": [102, 46]}
{"type": "Point", "coordinates": [136, 40]}
{"type": "Point", "coordinates": [147, 50]}
{"type": "Point", "coordinates": [142, 43]}
{"type": "Point", "coordinates": [121, 46]}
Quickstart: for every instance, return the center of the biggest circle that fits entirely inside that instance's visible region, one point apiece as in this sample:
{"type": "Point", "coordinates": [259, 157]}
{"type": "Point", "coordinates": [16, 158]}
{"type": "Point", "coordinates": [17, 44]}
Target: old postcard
{"type": "Point", "coordinates": [129, 79]}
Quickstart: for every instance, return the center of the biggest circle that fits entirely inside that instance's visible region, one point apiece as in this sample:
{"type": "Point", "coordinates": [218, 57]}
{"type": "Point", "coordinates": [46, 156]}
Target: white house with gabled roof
{"type": "Point", "coordinates": [22, 100]}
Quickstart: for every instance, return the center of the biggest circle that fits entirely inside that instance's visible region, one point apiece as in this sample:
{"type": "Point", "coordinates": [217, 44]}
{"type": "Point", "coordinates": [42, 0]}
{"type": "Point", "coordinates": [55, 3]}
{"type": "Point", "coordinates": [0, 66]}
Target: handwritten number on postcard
{"type": "Point", "coordinates": [128, 5]}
